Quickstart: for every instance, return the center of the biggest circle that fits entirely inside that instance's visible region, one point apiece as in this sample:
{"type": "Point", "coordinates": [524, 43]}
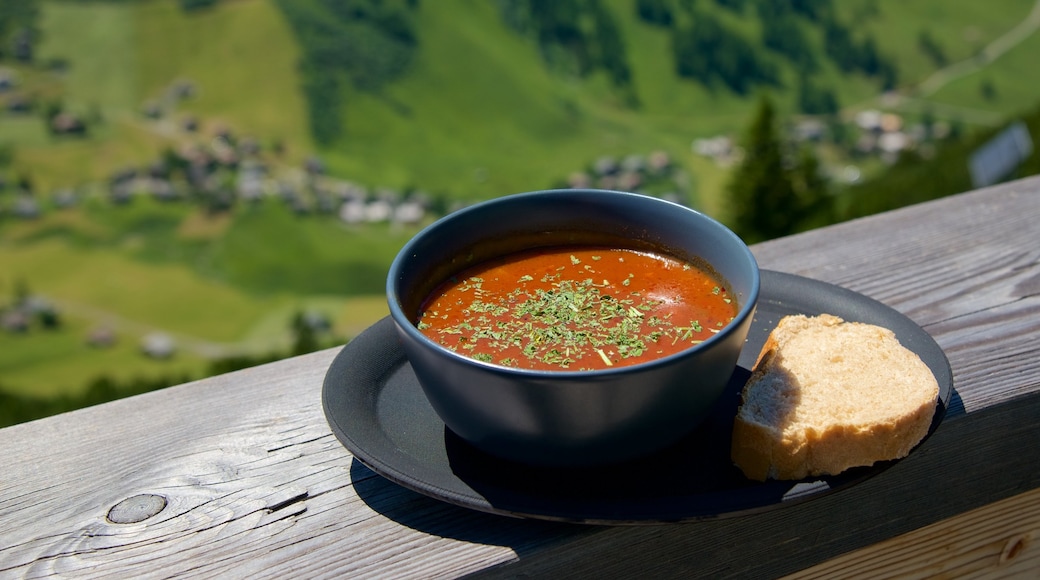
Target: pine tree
{"type": "Point", "coordinates": [306, 339]}
{"type": "Point", "coordinates": [815, 204]}
{"type": "Point", "coordinates": [765, 204]}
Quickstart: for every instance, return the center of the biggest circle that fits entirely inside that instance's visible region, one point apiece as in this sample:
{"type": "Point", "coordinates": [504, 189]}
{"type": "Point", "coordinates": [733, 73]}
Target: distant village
{"type": "Point", "coordinates": [227, 170]}
{"type": "Point", "coordinates": [872, 134]}
{"type": "Point", "coordinates": [218, 169]}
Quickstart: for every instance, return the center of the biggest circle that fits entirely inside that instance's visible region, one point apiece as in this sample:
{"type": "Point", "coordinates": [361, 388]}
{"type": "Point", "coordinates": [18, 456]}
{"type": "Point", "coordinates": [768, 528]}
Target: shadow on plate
{"type": "Point", "coordinates": [432, 516]}
{"type": "Point", "coordinates": [689, 481]}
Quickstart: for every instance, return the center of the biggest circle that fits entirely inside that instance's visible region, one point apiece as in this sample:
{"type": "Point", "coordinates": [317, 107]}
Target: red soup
{"type": "Point", "coordinates": [576, 308]}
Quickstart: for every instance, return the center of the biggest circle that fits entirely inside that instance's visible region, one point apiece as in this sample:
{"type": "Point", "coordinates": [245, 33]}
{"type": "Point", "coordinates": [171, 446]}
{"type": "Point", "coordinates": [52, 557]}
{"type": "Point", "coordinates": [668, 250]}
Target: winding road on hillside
{"type": "Point", "coordinates": [122, 325]}
{"type": "Point", "coordinates": [918, 96]}
{"type": "Point", "coordinates": [993, 50]}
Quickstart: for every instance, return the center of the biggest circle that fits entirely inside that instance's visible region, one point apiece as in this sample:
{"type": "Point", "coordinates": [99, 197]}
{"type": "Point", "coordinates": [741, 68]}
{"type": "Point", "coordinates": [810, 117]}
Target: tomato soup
{"type": "Point", "coordinates": [576, 308]}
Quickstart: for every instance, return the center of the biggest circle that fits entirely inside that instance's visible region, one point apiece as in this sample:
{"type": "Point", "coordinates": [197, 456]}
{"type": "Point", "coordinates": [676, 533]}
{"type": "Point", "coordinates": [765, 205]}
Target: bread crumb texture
{"type": "Point", "coordinates": [827, 395]}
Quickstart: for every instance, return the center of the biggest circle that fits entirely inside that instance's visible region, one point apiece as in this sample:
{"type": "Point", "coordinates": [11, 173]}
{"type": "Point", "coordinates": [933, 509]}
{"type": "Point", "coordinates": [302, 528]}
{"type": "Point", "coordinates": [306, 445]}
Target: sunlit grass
{"type": "Point", "coordinates": [240, 57]}
{"type": "Point", "coordinates": [28, 362]}
{"type": "Point", "coordinates": [477, 116]}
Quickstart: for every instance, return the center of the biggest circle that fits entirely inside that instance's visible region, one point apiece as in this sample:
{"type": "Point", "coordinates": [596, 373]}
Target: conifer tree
{"type": "Point", "coordinates": [306, 339]}
{"type": "Point", "coordinates": [761, 193]}
{"type": "Point", "coordinates": [816, 206]}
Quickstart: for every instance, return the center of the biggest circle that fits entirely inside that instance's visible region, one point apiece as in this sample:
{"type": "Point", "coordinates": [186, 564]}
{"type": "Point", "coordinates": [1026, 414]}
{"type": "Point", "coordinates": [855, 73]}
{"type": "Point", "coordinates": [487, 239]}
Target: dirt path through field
{"type": "Point", "coordinates": [122, 325]}
{"type": "Point", "coordinates": [993, 50]}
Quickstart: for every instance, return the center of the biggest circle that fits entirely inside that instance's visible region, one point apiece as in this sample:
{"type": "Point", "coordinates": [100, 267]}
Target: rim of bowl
{"type": "Point", "coordinates": [397, 313]}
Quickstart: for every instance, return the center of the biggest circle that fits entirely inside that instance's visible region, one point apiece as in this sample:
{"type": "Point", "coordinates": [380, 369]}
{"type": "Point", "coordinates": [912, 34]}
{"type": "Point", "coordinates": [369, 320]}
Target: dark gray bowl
{"type": "Point", "coordinates": [570, 417]}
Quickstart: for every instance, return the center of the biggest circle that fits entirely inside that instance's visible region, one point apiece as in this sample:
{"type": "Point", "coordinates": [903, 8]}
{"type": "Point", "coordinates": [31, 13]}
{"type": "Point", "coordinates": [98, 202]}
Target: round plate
{"type": "Point", "coordinates": [377, 409]}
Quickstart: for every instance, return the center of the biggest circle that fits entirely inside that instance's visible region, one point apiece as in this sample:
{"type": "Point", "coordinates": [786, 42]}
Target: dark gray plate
{"type": "Point", "coordinates": [377, 409]}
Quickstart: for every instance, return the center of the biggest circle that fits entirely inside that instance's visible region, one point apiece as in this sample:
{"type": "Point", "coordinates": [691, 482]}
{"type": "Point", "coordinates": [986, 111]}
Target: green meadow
{"type": "Point", "coordinates": [477, 115]}
{"type": "Point", "coordinates": [133, 272]}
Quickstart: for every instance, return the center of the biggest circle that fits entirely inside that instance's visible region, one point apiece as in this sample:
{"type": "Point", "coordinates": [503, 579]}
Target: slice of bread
{"type": "Point", "coordinates": [827, 395]}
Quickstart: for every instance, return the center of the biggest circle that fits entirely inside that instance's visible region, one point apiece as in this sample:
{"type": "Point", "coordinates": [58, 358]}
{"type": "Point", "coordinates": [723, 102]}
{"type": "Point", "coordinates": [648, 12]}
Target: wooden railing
{"type": "Point", "coordinates": [240, 475]}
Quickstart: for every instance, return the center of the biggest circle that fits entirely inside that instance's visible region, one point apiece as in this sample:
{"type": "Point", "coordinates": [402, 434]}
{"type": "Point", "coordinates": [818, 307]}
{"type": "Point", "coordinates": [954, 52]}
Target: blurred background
{"type": "Point", "coordinates": [189, 187]}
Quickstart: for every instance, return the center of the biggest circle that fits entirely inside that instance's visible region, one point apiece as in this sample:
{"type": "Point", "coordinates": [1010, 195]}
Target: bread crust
{"type": "Point", "coordinates": [826, 395]}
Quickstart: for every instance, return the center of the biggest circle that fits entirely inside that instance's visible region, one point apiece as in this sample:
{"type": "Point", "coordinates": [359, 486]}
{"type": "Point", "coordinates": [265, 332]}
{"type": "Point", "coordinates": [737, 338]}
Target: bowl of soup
{"type": "Point", "coordinates": [573, 327]}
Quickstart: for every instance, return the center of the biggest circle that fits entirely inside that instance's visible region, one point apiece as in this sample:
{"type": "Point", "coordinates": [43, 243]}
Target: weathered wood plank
{"type": "Point", "coordinates": [965, 465]}
{"type": "Point", "coordinates": [256, 485]}
{"type": "Point", "coordinates": [995, 541]}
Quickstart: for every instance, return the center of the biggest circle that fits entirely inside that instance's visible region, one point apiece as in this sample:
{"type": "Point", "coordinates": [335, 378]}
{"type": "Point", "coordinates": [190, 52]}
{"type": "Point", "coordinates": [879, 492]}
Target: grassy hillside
{"type": "Point", "coordinates": [240, 57]}
{"type": "Point", "coordinates": [476, 114]}
{"type": "Point", "coordinates": [479, 113]}
{"type": "Point", "coordinates": [133, 271]}
{"type": "Point", "coordinates": [268, 250]}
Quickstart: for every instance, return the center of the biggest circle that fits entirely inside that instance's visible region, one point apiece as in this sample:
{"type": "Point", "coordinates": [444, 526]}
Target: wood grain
{"type": "Point", "coordinates": [995, 541]}
{"type": "Point", "coordinates": [255, 484]}
{"type": "Point", "coordinates": [964, 465]}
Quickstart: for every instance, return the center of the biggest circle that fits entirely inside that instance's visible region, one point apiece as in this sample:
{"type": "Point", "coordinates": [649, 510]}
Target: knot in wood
{"type": "Point", "coordinates": [1014, 547]}
{"type": "Point", "coordinates": [136, 509]}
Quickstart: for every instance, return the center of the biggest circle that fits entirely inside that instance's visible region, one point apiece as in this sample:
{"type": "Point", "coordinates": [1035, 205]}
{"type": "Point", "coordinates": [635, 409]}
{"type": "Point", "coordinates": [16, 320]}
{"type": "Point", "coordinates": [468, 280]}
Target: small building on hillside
{"type": "Point", "coordinates": [579, 180]}
{"type": "Point", "coordinates": [605, 165]}
{"type": "Point", "coordinates": [19, 104]}
{"type": "Point", "coordinates": [64, 198]}
{"type": "Point", "coordinates": [101, 337]}
{"type": "Point", "coordinates": [409, 212]}
{"type": "Point", "coordinates": [26, 207]}
{"type": "Point", "coordinates": [8, 80]}
{"type": "Point", "coordinates": [659, 162]}
{"type": "Point", "coordinates": [630, 181]}
{"type": "Point", "coordinates": [378, 210]}
{"type": "Point", "coordinates": [633, 163]}
{"type": "Point", "coordinates": [14, 321]}
{"type": "Point", "coordinates": [158, 345]}
{"type": "Point", "coordinates": [190, 124]}
{"type": "Point", "coordinates": [68, 124]}
{"type": "Point", "coordinates": [151, 110]}
{"type": "Point", "coordinates": [352, 211]}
